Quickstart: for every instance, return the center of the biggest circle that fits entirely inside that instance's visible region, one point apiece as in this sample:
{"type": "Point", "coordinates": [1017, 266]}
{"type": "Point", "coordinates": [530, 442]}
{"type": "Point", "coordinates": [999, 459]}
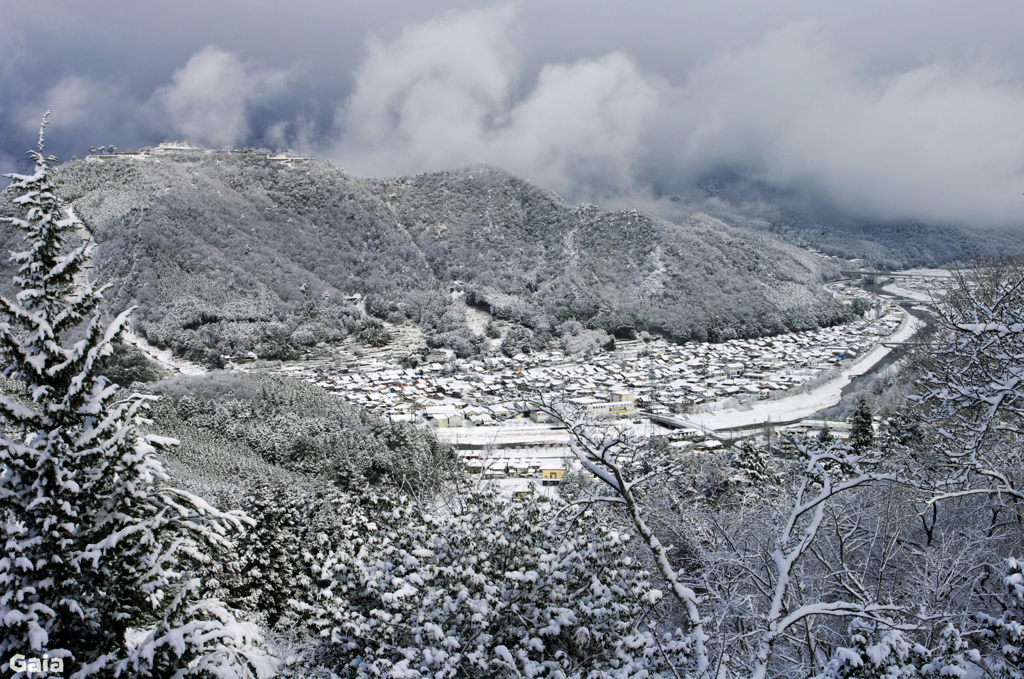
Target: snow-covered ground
{"type": "Point", "coordinates": [511, 440]}
{"type": "Point", "coordinates": [516, 432]}
{"type": "Point", "coordinates": [926, 288]}
{"type": "Point", "coordinates": [163, 356]}
{"type": "Point", "coordinates": [916, 295]}
{"type": "Point", "coordinates": [477, 320]}
{"type": "Point", "coordinates": [525, 433]}
{"type": "Point", "coordinates": [507, 488]}
{"type": "Point", "coordinates": [803, 405]}
{"type": "Point", "coordinates": [931, 273]}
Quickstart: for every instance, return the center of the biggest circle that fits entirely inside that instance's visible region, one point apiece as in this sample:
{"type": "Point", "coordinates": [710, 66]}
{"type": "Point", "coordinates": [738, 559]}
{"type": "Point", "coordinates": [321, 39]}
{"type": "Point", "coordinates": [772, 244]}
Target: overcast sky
{"type": "Point", "coordinates": [884, 110]}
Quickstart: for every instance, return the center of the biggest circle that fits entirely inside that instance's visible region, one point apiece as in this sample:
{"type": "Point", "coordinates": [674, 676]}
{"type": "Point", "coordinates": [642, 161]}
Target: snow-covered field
{"type": "Point", "coordinates": [516, 432]}
{"type": "Point", "coordinates": [926, 290]}
{"type": "Point", "coordinates": [477, 320]}
{"type": "Point", "coordinates": [523, 432]}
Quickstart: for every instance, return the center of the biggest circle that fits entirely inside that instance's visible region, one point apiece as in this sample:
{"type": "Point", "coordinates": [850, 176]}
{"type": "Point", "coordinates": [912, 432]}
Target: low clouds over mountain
{"type": "Point", "coordinates": [875, 113]}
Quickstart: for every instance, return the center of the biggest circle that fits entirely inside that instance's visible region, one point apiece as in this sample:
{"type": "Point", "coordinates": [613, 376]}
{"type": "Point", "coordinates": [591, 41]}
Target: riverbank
{"type": "Point", "coordinates": [799, 406]}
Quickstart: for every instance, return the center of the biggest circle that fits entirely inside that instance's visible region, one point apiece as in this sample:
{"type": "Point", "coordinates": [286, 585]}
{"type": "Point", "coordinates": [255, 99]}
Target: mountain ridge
{"type": "Point", "coordinates": [227, 252]}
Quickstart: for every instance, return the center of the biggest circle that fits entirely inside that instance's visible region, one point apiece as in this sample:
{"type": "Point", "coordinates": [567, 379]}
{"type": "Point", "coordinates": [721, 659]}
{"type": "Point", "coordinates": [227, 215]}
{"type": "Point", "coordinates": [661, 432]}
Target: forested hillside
{"type": "Point", "coordinates": [234, 427]}
{"type": "Point", "coordinates": [526, 256]}
{"type": "Point", "coordinates": [232, 252]}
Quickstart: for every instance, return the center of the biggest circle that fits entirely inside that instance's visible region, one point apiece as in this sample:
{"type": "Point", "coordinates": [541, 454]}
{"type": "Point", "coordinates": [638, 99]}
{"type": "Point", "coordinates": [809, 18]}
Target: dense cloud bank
{"type": "Point", "coordinates": [877, 114]}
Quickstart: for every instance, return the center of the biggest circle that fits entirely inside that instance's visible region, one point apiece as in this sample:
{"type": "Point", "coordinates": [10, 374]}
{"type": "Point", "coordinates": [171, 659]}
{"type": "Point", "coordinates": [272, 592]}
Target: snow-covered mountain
{"type": "Point", "coordinates": [237, 251]}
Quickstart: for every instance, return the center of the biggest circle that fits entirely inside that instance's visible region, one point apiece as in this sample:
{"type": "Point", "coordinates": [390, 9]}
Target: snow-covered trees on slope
{"type": "Point", "coordinates": [974, 384]}
{"type": "Point", "coordinates": [862, 431]}
{"type": "Point", "coordinates": [488, 589]}
{"type": "Point", "coordinates": [962, 459]}
{"type": "Point", "coordinates": [895, 655]}
{"type": "Point", "coordinates": [97, 564]}
{"type": "Point", "coordinates": [624, 465]}
{"type": "Point", "coordinates": [247, 253]}
{"type": "Point", "coordinates": [234, 421]}
{"type": "Point", "coordinates": [366, 557]}
{"type": "Point", "coordinates": [756, 605]}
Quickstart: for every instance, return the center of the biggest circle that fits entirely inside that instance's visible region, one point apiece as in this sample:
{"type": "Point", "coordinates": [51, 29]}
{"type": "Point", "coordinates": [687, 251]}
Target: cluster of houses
{"type": "Point", "coordinates": [549, 470]}
{"type": "Point", "coordinates": [657, 376]}
{"type": "Point", "coordinates": [476, 404]}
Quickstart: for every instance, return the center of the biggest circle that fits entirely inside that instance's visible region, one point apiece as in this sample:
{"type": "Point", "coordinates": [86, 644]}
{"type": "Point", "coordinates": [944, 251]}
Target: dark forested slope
{"type": "Point", "coordinates": [524, 255]}
{"type": "Point", "coordinates": [229, 252]}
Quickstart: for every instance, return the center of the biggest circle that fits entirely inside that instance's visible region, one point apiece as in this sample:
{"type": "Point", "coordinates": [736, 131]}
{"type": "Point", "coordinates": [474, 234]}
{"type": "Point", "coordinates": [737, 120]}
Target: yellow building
{"type": "Point", "coordinates": [552, 472]}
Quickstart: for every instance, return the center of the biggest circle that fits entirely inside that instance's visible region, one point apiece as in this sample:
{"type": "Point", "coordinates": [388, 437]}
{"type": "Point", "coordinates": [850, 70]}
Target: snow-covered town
{"type": "Point", "coordinates": [656, 375]}
{"type": "Point", "coordinates": [697, 395]}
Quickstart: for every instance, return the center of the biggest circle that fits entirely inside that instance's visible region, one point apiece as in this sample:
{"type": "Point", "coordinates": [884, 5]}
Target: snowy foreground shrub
{"type": "Point", "coordinates": [1004, 633]}
{"type": "Point", "coordinates": [97, 564]}
{"type": "Point", "coordinates": [895, 655]}
{"type": "Point", "coordinates": [490, 589]}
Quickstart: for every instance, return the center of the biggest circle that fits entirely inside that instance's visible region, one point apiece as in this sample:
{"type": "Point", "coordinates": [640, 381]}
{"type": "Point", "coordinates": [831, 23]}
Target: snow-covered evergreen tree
{"type": "Point", "coordinates": [97, 559]}
{"type": "Point", "coordinates": [825, 436]}
{"type": "Point", "coordinates": [862, 431]}
{"type": "Point", "coordinates": [1004, 632]}
{"type": "Point", "coordinates": [896, 656]}
{"type": "Point", "coordinates": [900, 431]}
{"type": "Point", "coordinates": [756, 463]}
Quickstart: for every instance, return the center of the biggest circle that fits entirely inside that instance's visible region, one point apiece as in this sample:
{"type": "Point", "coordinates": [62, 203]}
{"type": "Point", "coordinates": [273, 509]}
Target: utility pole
{"type": "Point", "coordinates": [652, 381]}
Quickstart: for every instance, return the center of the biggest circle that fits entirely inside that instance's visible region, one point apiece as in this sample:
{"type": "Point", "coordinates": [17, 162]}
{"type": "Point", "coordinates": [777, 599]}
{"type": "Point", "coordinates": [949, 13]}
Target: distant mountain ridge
{"type": "Point", "coordinates": [887, 245]}
{"type": "Point", "coordinates": [227, 252]}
